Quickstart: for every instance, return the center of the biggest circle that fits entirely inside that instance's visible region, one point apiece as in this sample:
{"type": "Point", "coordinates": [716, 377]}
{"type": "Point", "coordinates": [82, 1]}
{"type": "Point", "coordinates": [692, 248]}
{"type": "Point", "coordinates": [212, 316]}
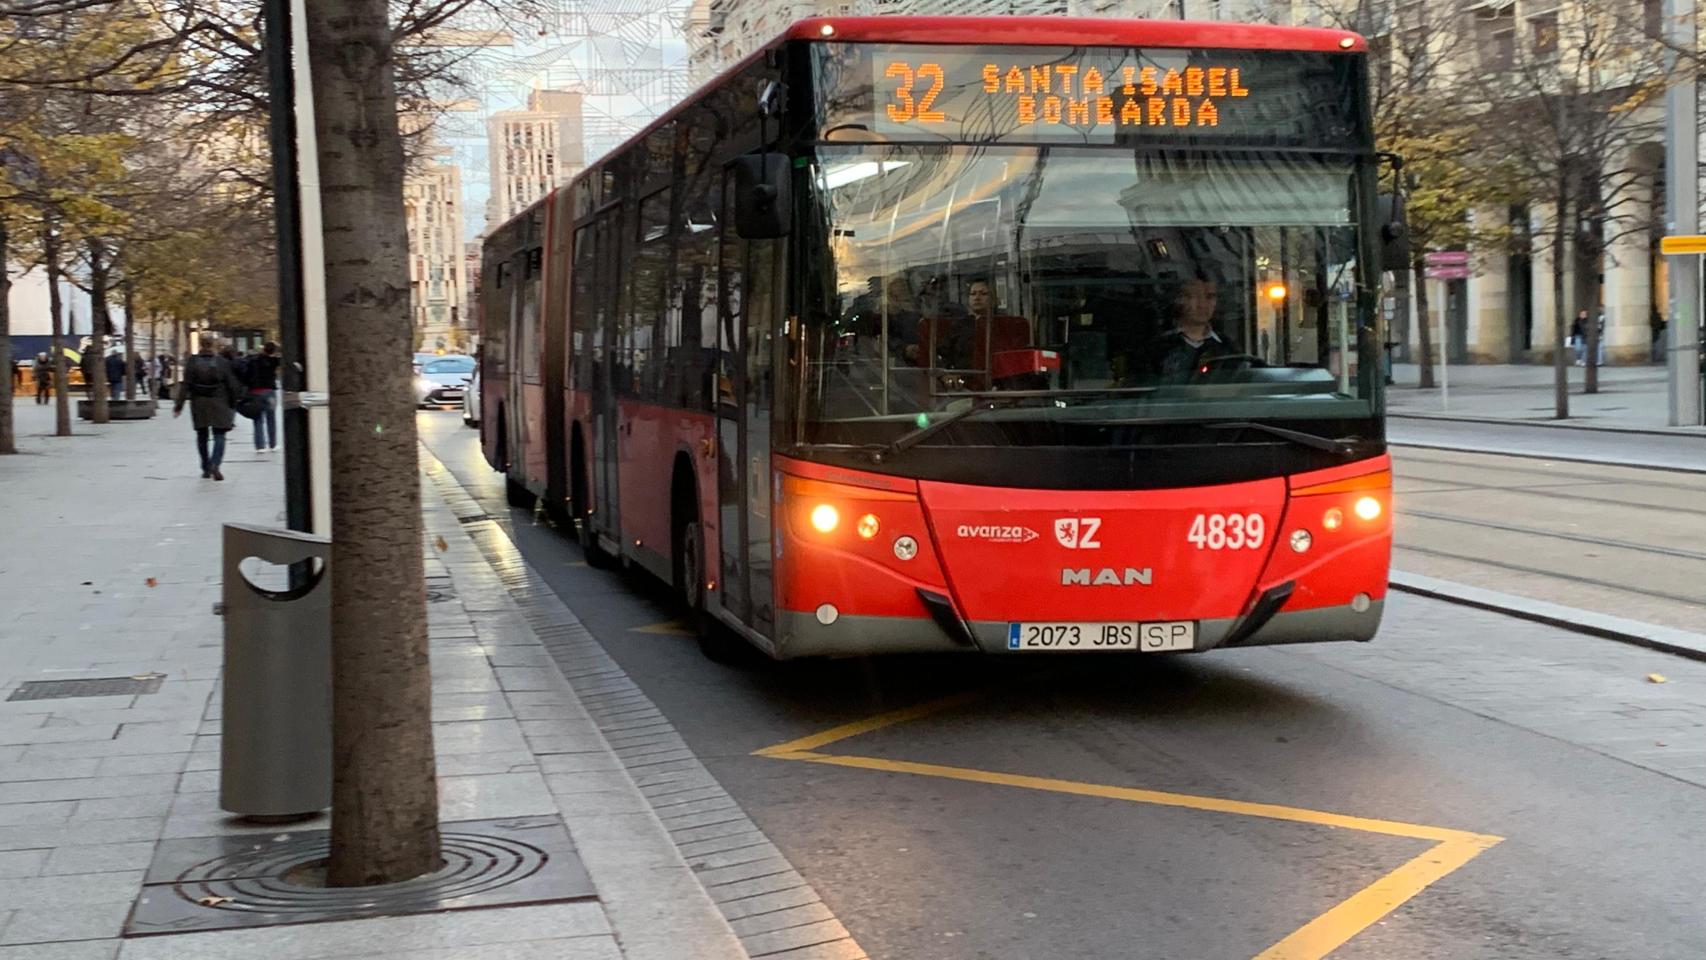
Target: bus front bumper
{"type": "Point", "coordinates": [804, 635]}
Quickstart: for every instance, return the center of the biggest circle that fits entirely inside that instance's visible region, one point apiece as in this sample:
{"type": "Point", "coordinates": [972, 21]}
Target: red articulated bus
{"type": "Point", "coordinates": [995, 334]}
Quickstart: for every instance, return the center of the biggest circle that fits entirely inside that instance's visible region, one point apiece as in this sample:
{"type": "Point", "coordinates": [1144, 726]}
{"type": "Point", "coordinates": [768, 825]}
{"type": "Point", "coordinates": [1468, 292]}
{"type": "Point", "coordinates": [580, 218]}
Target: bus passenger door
{"type": "Point", "coordinates": [606, 519]}
{"type": "Point", "coordinates": [749, 284]}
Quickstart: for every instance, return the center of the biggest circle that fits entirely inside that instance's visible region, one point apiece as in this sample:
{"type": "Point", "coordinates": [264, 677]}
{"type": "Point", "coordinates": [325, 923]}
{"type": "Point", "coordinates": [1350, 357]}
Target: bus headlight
{"type": "Point", "coordinates": [1367, 508]}
{"type": "Point", "coordinates": [825, 518]}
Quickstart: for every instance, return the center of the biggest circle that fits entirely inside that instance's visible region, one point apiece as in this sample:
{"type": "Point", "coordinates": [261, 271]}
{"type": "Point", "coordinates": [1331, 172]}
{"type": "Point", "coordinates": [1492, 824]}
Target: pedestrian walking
{"type": "Point", "coordinates": [115, 374]}
{"type": "Point", "coordinates": [44, 378]}
{"type": "Point", "coordinates": [210, 388]}
{"type": "Point", "coordinates": [17, 376]}
{"type": "Point", "coordinates": [139, 373]}
{"type": "Point", "coordinates": [1599, 340]}
{"type": "Point", "coordinates": [1579, 336]}
{"type": "Point", "coordinates": [261, 376]}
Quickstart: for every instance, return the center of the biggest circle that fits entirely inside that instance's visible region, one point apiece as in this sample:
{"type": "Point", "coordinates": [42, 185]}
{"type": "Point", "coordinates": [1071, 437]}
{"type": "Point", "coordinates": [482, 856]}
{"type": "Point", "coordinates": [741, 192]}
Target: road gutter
{"type": "Point", "coordinates": [1652, 636]}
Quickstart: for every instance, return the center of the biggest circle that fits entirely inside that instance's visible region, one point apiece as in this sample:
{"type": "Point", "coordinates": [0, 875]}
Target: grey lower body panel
{"type": "Point", "coordinates": [801, 635]}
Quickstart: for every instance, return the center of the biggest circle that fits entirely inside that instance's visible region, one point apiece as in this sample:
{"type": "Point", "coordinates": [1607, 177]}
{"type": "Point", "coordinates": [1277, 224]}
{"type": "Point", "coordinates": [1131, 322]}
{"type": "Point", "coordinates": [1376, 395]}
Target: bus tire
{"type": "Point", "coordinates": [517, 493]}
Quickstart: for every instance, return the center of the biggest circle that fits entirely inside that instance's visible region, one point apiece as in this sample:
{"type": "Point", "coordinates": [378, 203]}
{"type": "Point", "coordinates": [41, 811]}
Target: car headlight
{"type": "Point", "coordinates": [424, 385]}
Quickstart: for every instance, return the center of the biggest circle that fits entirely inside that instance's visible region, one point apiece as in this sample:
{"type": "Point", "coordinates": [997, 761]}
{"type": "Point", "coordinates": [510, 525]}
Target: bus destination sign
{"type": "Point", "coordinates": [1070, 94]}
{"type": "Point", "coordinates": [1099, 94]}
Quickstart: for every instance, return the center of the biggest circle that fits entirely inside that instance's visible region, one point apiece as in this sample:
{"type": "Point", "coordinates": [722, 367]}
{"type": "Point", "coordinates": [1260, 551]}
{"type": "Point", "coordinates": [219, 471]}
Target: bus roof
{"type": "Point", "coordinates": [1011, 31]}
{"type": "Point", "coordinates": [1075, 32]}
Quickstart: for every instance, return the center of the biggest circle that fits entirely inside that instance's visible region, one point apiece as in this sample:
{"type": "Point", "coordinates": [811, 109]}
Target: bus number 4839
{"type": "Point", "coordinates": [1227, 531]}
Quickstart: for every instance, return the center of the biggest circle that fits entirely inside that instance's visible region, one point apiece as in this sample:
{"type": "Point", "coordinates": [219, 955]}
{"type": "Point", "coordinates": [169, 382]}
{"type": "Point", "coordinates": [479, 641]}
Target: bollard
{"type": "Point", "coordinates": [275, 755]}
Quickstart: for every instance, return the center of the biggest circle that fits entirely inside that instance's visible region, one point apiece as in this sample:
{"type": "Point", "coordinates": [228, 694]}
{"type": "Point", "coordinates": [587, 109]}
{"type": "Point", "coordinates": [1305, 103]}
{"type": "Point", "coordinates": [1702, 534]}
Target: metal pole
{"type": "Point", "coordinates": [1444, 301]}
{"type": "Point", "coordinates": [1682, 203]}
{"type": "Point", "coordinates": [298, 498]}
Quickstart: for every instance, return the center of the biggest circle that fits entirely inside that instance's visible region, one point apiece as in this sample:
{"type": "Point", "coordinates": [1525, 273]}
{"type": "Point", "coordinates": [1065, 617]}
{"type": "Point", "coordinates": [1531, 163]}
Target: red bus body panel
{"type": "Point", "coordinates": [1075, 32]}
{"type": "Point", "coordinates": [996, 553]}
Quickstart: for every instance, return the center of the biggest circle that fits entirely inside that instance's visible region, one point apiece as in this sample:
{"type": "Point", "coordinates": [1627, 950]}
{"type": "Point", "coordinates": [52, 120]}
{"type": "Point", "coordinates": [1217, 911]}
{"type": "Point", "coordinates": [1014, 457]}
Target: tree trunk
{"type": "Point", "coordinates": [99, 325]}
{"type": "Point", "coordinates": [1560, 319]}
{"type": "Point", "coordinates": [129, 341]}
{"type": "Point", "coordinates": [1424, 329]}
{"type": "Point", "coordinates": [61, 373]}
{"type": "Point", "coordinates": [7, 442]}
{"type": "Point", "coordinates": [384, 780]}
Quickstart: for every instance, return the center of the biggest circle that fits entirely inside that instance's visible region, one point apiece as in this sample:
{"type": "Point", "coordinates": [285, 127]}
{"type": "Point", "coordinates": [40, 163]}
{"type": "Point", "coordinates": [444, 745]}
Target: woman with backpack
{"type": "Point", "coordinates": [211, 389]}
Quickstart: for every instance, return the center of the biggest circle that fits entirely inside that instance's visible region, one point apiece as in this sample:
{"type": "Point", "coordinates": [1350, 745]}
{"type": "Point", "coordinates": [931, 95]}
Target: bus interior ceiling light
{"type": "Point", "coordinates": [825, 518]}
{"type": "Point", "coordinates": [1367, 508]}
{"type": "Point", "coordinates": [844, 174]}
{"type": "Point", "coordinates": [868, 526]}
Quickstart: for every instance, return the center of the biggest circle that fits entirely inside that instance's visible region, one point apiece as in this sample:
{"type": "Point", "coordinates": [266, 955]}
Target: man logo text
{"type": "Point", "coordinates": [1106, 577]}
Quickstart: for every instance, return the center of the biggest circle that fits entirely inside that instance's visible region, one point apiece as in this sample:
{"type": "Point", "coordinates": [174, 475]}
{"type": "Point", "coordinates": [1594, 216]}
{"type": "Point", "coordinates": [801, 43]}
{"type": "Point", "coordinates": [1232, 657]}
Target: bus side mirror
{"type": "Point", "coordinates": [763, 195]}
{"type": "Point", "coordinates": [1394, 234]}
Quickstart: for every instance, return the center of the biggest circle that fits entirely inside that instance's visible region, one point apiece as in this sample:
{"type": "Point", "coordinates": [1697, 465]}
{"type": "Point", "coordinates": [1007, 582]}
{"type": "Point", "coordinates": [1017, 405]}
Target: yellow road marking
{"type": "Point", "coordinates": [667, 628]}
{"type": "Point", "coordinates": [1270, 811]}
{"type": "Point", "coordinates": [1451, 849]}
{"type": "Point", "coordinates": [788, 751]}
{"type": "Point", "coordinates": [1332, 929]}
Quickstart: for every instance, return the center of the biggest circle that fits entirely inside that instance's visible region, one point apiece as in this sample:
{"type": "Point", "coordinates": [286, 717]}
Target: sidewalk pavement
{"type": "Point", "coordinates": [109, 567]}
{"type": "Point", "coordinates": [1630, 398]}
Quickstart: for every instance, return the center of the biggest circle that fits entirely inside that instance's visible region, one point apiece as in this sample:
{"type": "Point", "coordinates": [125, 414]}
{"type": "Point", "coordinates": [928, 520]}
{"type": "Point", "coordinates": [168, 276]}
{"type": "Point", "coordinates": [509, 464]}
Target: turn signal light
{"type": "Point", "coordinates": [1367, 508]}
{"type": "Point", "coordinates": [868, 526]}
{"type": "Point", "coordinates": [825, 517]}
{"type": "Point", "coordinates": [1333, 519]}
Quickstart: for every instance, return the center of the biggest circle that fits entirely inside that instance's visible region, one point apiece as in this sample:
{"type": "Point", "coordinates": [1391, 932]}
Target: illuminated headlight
{"type": "Point", "coordinates": [825, 518]}
{"type": "Point", "coordinates": [424, 385]}
{"type": "Point", "coordinates": [1367, 508]}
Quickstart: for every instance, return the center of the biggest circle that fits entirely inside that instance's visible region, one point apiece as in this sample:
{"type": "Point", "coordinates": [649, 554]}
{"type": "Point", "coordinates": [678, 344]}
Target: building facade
{"type": "Point", "coordinates": [438, 287]}
{"type": "Point", "coordinates": [533, 150]}
{"type": "Point", "coordinates": [720, 32]}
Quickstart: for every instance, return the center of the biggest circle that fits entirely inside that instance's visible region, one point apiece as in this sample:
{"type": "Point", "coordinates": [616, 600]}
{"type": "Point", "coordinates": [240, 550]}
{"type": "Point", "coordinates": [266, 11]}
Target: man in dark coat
{"type": "Point", "coordinates": [115, 374]}
{"type": "Point", "coordinates": [211, 389]}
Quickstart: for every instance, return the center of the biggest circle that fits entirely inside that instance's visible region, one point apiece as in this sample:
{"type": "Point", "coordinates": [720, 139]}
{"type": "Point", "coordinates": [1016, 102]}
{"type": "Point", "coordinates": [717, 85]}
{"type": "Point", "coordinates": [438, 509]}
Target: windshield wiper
{"type": "Point", "coordinates": [1342, 445]}
{"type": "Point", "coordinates": [930, 429]}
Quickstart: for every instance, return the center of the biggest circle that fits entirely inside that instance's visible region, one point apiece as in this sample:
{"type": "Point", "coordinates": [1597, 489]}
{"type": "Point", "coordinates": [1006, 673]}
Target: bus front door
{"type": "Point", "coordinates": [748, 306]}
{"type": "Point", "coordinates": [606, 420]}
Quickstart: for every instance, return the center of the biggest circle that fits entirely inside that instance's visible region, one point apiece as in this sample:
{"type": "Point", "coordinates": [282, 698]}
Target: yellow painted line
{"type": "Point", "coordinates": [1330, 931]}
{"type": "Point", "coordinates": [666, 628]}
{"type": "Point", "coordinates": [799, 749]}
{"type": "Point", "coordinates": [1270, 811]}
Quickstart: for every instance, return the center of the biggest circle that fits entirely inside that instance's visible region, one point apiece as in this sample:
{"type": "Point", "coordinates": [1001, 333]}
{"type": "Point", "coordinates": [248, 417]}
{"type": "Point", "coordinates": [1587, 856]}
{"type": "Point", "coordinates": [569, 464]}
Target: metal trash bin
{"type": "Point", "coordinates": [275, 755]}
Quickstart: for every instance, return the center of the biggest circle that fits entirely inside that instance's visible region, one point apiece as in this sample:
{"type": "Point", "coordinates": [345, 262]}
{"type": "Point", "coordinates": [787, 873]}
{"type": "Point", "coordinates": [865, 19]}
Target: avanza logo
{"type": "Point", "coordinates": [996, 533]}
{"type": "Point", "coordinates": [1106, 577]}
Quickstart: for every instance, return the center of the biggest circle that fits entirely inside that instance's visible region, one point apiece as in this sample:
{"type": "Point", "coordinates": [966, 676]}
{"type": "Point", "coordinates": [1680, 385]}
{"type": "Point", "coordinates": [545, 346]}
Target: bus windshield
{"type": "Point", "coordinates": [1194, 284]}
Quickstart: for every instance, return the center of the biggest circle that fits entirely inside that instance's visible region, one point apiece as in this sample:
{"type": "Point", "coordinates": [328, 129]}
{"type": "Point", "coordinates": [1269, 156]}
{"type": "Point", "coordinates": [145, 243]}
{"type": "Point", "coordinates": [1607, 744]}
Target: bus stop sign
{"type": "Point", "coordinates": [1683, 244]}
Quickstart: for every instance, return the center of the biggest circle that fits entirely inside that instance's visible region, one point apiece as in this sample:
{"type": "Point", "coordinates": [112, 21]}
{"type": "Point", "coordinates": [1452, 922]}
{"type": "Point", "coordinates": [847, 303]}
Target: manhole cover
{"type": "Point", "coordinates": [90, 687]}
{"type": "Point", "coordinates": [221, 883]}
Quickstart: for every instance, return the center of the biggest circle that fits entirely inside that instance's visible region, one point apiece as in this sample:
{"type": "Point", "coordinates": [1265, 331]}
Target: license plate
{"type": "Point", "coordinates": [1152, 637]}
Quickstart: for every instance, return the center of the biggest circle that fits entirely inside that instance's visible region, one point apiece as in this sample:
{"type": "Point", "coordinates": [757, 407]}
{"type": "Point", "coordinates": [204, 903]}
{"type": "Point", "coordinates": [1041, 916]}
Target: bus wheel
{"type": "Point", "coordinates": [717, 642]}
{"type": "Point", "coordinates": [517, 493]}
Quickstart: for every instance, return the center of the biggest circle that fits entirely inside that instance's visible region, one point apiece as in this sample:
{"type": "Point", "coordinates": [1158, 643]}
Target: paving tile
{"type": "Point", "coordinates": [14, 813]}
{"type": "Point", "coordinates": [491, 796]}
{"type": "Point", "coordinates": [67, 950]}
{"type": "Point", "coordinates": [837, 950]}
{"type": "Point", "coordinates": [22, 863]}
{"type": "Point", "coordinates": [766, 902]}
{"type": "Point", "coordinates": [33, 836]}
{"type": "Point", "coordinates": [85, 789]}
{"type": "Point", "coordinates": [99, 858]}
{"type": "Point", "coordinates": [781, 919]}
{"type": "Point", "coordinates": [24, 893]}
{"type": "Point", "coordinates": [792, 938]}
{"type": "Point", "coordinates": [408, 936]}
{"type": "Point", "coordinates": [124, 808]}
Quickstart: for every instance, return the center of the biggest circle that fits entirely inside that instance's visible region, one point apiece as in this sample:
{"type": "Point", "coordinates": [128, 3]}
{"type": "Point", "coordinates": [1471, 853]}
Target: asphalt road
{"type": "Point", "coordinates": [1544, 796]}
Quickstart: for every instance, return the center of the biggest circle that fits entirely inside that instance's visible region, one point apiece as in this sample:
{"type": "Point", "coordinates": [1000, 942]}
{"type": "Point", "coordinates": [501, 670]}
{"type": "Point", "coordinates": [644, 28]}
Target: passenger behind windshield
{"type": "Point", "coordinates": [963, 341]}
{"type": "Point", "coordinates": [1194, 343]}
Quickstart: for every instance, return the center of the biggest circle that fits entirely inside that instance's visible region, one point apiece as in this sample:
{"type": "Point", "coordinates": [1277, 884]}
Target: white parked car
{"type": "Point", "coordinates": [471, 399]}
{"type": "Point", "coordinates": [443, 381]}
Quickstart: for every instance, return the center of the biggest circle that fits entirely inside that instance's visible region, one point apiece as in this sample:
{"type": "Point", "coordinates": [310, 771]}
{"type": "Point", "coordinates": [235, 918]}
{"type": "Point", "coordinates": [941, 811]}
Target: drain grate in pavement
{"type": "Point", "coordinates": [90, 687]}
{"type": "Point", "coordinates": [439, 589]}
{"type": "Point", "coordinates": [240, 881]}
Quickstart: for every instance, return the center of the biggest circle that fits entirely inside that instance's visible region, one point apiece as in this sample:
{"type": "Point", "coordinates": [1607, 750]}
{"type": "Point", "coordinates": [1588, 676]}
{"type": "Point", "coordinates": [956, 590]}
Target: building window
{"type": "Point", "coordinates": [1543, 34]}
{"type": "Point", "coordinates": [1495, 31]}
